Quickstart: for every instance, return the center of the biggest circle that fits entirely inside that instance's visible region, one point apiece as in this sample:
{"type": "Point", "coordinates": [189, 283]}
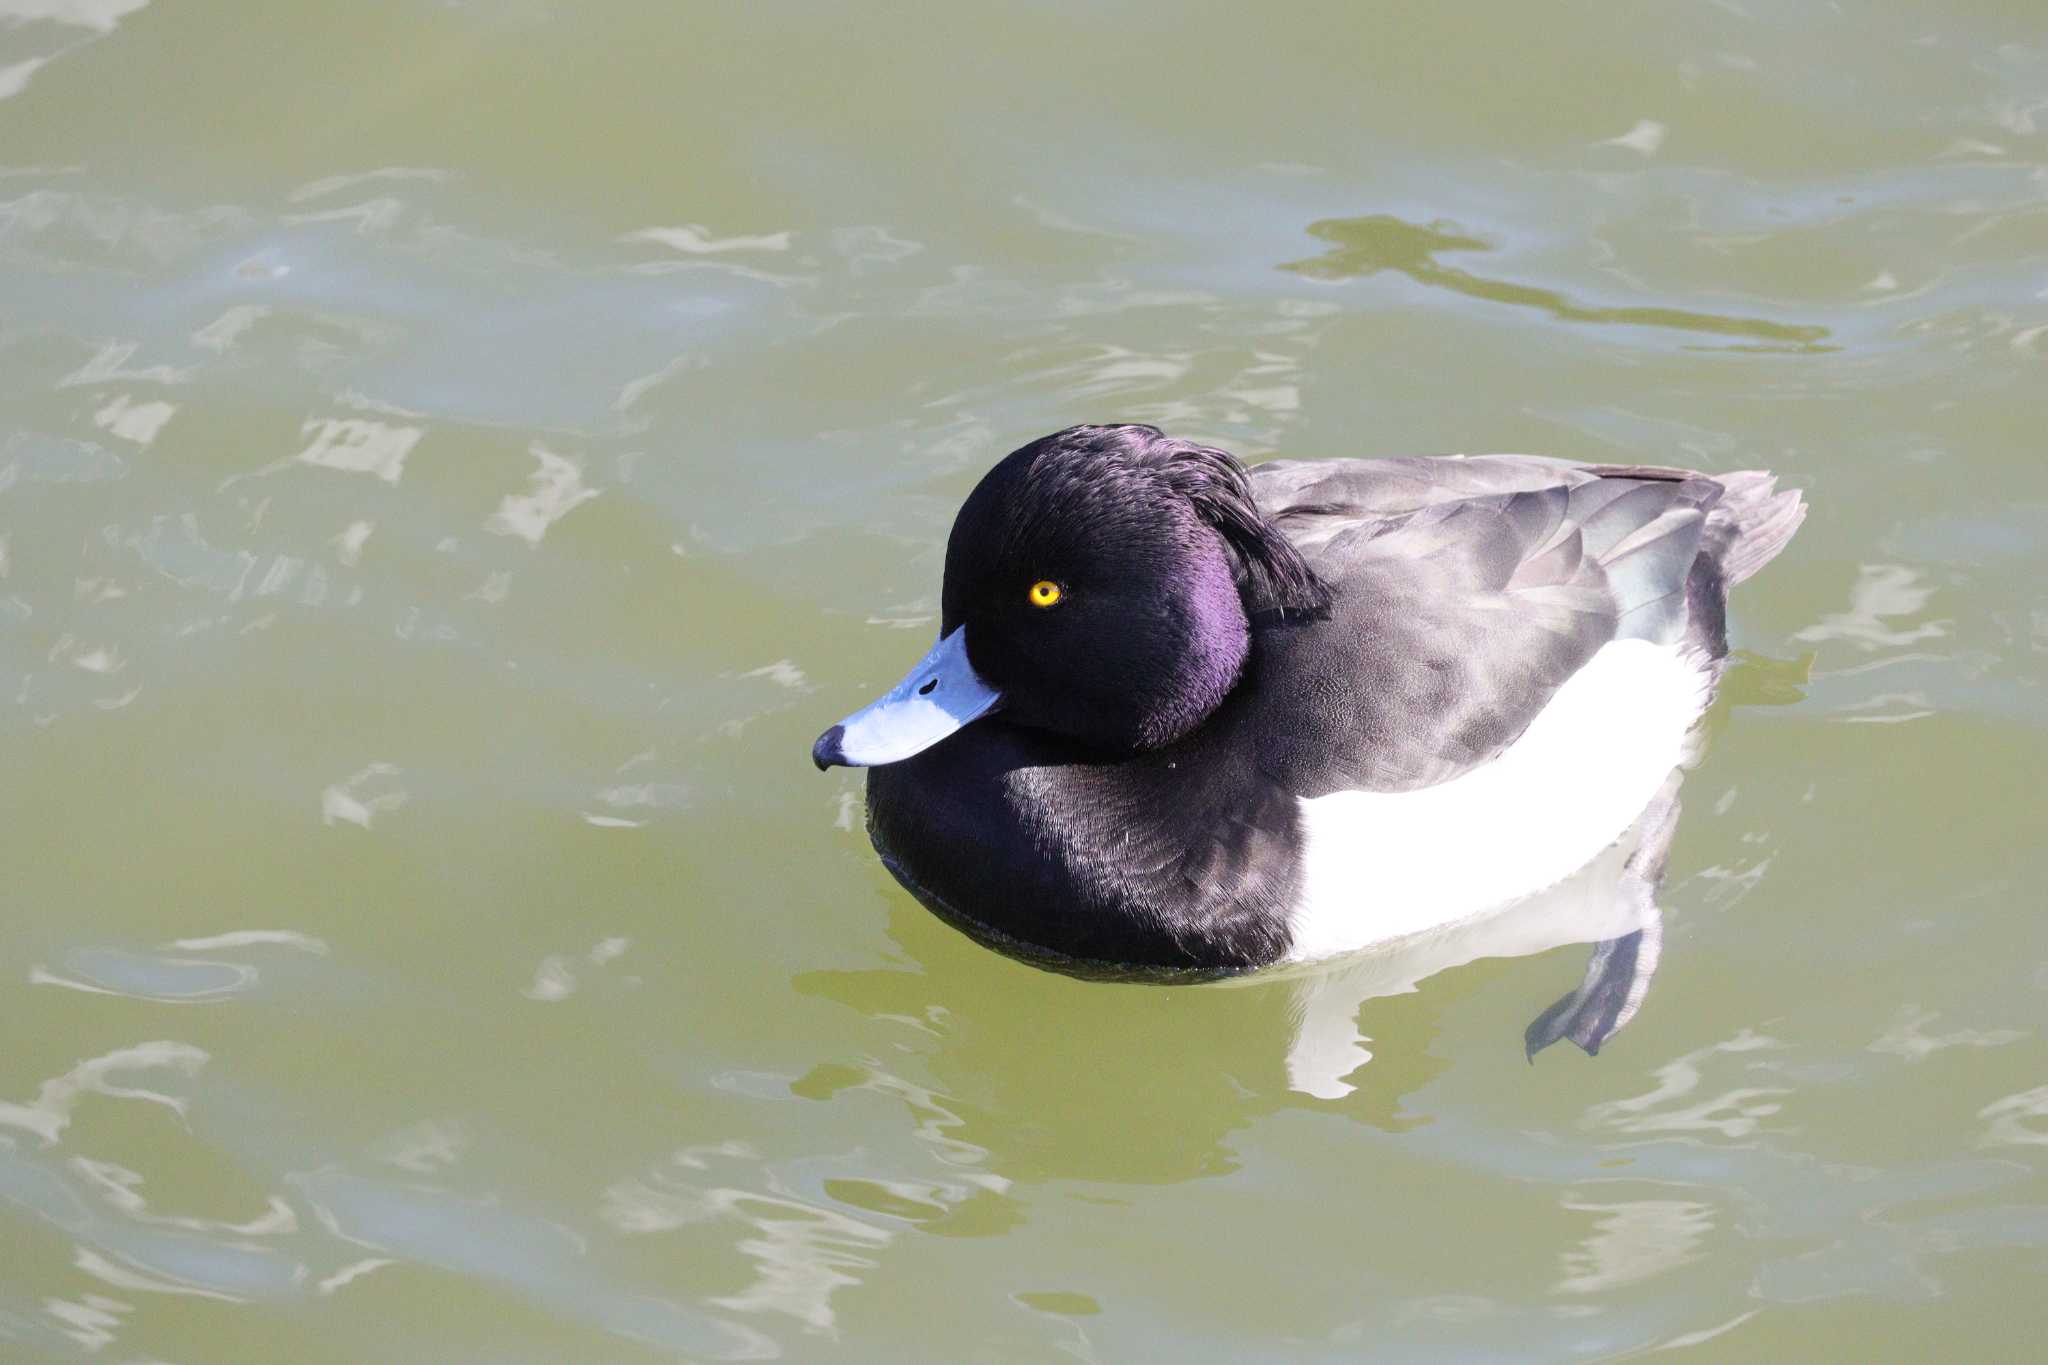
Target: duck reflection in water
{"type": "Point", "coordinates": [1610, 903]}
{"type": "Point", "coordinates": [1185, 720]}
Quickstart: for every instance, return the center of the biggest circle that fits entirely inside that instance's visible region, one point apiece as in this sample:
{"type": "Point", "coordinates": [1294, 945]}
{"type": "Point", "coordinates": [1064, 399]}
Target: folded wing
{"type": "Point", "coordinates": [1467, 591]}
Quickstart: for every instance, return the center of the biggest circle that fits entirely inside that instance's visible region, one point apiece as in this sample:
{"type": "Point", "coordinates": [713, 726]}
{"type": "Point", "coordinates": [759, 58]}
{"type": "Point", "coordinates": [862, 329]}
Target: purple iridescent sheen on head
{"type": "Point", "coordinates": [1217, 642]}
{"type": "Point", "coordinates": [1162, 557]}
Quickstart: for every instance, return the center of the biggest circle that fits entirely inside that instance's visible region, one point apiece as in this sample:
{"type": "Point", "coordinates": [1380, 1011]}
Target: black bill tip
{"type": "Point", "coordinates": [826, 751]}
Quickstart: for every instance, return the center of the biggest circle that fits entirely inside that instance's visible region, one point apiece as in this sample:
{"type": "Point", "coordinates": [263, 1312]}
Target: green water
{"type": "Point", "coordinates": [455, 456]}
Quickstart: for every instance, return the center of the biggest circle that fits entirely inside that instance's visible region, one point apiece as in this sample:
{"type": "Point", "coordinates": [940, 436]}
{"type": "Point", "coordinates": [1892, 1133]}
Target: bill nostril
{"type": "Point", "coordinates": [930, 685]}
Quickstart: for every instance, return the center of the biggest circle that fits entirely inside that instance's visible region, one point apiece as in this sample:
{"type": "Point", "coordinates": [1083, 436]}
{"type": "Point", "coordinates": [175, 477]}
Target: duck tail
{"type": "Point", "coordinates": [1751, 523]}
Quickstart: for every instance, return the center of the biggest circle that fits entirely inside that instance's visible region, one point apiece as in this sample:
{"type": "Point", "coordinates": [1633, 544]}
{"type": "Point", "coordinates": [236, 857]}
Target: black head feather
{"type": "Point", "coordinates": [1163, 559]}
{"type": "Point", "coordinates": [1271, 573]}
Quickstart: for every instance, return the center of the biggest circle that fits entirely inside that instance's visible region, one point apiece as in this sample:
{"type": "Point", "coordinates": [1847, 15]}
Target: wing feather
{"type": "Point", "coordinates": [1467, 592]}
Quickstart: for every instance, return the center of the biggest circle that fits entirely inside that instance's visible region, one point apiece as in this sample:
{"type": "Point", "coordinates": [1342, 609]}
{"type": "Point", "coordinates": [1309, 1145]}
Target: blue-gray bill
{"type": "Point", "coordinates": [937, 697]}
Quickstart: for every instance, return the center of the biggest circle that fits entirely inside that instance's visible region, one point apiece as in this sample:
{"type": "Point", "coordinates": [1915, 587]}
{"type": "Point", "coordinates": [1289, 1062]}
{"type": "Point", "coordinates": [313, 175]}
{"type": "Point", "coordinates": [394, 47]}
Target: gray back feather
{"type": "Point", "coordinates": [1469, 590]}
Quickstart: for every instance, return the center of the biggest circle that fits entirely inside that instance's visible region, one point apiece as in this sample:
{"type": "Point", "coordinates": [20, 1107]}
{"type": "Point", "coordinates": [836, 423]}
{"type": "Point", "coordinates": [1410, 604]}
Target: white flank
{"type": "Point", "coordinates": [1380, 866]}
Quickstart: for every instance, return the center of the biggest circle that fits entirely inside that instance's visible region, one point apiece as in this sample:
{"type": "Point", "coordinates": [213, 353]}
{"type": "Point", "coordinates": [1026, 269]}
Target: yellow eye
{"type": "Point", "coordinates": [1044, 593]}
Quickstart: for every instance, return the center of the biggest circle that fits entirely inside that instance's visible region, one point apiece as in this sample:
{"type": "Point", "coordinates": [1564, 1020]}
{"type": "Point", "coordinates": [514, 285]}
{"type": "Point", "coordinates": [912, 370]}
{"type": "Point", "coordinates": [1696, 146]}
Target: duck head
{"type": "Point", "coordinates": [1100, 585]}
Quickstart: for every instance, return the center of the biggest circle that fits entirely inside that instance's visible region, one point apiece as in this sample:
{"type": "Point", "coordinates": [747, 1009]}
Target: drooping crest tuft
{"type": "Point", "coordinates": [1271, 572]}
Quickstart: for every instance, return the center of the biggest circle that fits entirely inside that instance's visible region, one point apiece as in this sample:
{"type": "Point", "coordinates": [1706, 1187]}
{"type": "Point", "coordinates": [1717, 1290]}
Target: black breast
{"type": "Point", "coordinates": [1179, 862]}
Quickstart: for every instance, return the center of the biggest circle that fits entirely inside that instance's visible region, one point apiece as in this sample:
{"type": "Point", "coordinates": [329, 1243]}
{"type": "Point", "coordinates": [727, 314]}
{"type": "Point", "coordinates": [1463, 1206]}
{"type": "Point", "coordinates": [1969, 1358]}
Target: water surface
{"type": "Point", "coordinates": [455, 456]}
